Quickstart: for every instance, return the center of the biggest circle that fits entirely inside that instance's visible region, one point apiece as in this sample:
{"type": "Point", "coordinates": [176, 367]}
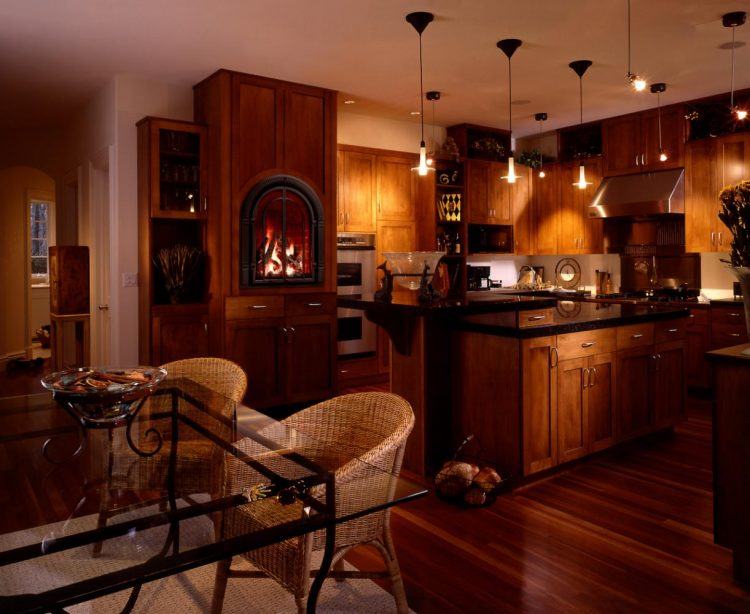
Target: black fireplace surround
{"type": "Point", "coordinates": [281, 234]}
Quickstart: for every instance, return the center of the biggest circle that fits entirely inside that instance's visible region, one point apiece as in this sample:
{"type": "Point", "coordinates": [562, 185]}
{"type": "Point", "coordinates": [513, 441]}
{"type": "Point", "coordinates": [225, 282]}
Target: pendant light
{"type": "Point", "coordinates": [433, 96]}
{"type": "Point", "coordinates": [659, 89]}
{"type": "Point", "coordinates": [540, 117]}
{"type": "Point", "coordinates": [419, 22]}
{"type": "Point", "coordinates": [508, 46]}
{"type": "Point", "coordinates": [580, 67]}
{"type": "Point", "coordinates": [637, 83]}
{"type": "Point", "coordinates": [732, 20]}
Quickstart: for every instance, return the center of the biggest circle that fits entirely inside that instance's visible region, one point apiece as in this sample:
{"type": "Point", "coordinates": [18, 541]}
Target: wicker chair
{"type": "Point", "coordinates": [350, 434]}
{"type": "Point", "coordinates": [198, 470]}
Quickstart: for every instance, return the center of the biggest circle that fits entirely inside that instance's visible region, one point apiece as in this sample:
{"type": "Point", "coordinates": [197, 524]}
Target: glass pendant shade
{"type": "Point", "coordinates": [740, 114]}
{"type": "Point", "coordinates": [542, 174]}
{"type": "Point", "coordinates": [422, 168]}
{"type": "Point", "coordinates": [511, 177]}
{"type": "Point", "coordinates": [639, 84]}
{"type": "Point", "coordinates": [663, 157]}
{"type": "Point", "coordinates": [582, 183]}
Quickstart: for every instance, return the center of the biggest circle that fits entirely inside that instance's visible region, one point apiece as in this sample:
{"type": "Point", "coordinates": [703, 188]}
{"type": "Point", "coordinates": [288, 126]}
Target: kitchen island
{"type": "Point", "coordinates": [539, 382]}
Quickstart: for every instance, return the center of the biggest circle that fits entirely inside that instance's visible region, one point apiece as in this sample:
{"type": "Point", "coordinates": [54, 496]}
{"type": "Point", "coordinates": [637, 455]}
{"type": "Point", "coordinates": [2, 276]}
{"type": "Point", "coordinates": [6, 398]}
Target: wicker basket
{"type": "Point", "coordinates": [469, 480]}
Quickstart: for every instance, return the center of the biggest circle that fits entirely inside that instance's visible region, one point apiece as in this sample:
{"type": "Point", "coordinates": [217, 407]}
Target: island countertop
{"type": "Point", "coordinates": [570, 317]}
{"type": "Point", "coordinates": [406, 303]}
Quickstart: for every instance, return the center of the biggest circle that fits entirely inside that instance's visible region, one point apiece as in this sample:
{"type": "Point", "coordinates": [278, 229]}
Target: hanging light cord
{"type": "Point", "coordinates": [580, 95]}
{"type": "Point", "coordinates": [510, 99]}
{"type": "Point", "coordinates": [731, 87]}
{"type": "Point", "coordinates": [629, 71]}
{"type": "Point", "coordinates": [541, 157]}
{"type": "Point", "coordinates": [421, 88]}
{"type": "Point", "coordinates": [658, 116]}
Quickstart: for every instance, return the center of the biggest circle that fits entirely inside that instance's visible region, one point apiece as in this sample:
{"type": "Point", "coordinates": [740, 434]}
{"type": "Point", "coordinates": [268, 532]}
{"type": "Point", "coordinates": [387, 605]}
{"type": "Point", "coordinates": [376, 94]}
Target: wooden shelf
{"type": "Point", "coordinates": [449, 186]}
{"type": "Point", "coordinates": [191, 155]}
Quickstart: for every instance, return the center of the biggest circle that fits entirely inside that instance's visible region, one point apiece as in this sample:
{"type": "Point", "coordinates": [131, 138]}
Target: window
{"type": "Point", "coordinates": [40, 236]}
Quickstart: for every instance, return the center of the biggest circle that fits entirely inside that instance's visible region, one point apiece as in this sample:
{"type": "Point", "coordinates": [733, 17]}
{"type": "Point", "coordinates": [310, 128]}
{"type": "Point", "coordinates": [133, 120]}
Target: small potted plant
{"type": "Point", "coordinates": [735, 214]}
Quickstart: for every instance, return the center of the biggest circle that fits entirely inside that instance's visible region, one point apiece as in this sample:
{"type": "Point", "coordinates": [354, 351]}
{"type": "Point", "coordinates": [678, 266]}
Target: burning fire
{"type": "Point", "coordinates": [271, 262]}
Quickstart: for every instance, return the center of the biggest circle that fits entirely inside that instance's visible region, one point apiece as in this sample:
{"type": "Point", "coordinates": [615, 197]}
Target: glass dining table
{"type": "Point", "coordinates": [86, 512]}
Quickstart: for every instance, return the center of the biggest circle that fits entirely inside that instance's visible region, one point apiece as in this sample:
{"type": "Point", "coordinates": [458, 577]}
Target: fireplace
{"type": "Point", "coordinates": [281, 231]}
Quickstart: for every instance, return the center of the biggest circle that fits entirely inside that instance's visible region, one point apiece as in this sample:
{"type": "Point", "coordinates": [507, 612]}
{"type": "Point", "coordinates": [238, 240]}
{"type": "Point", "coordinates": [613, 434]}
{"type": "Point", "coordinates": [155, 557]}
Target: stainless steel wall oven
{"type": "Point", "coordinates": [355, 273]}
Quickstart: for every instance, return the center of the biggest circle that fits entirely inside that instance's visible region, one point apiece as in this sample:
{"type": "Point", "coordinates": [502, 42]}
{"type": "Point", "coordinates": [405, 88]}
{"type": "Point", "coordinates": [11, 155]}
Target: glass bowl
{"type": "Point", "coordinates": [412, 263]}
{"type": "Point", "coordinates": [102, 396]}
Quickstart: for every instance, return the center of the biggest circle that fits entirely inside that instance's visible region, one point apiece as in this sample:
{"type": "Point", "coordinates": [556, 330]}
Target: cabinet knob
{"type": "Point", "coordinates": [102, 307]}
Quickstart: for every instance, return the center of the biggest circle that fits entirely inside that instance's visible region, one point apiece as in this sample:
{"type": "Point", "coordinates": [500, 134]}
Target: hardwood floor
{"type": "Point", "coordinates": [625, 532]}
{"type": "Point", "coordinates": [629, 531]}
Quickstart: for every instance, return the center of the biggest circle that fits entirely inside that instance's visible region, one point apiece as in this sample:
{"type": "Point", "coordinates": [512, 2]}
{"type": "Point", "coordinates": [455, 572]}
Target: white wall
{"type": "Point", "coordinates": [716, 278]}
{"type": "Point", "coordinates": [382, 133]}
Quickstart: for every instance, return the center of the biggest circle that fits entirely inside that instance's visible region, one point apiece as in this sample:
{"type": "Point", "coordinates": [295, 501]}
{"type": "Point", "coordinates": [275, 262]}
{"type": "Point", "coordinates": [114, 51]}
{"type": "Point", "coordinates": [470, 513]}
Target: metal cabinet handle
{"type": "Point", "coordinates": [734, 334]}
{"type": "Point", "coordinates": [721, 241]}
{"type": "Point", "coordinates": [346, 217]}
{"type": "Point", "coordinates": [378, 206]}
{"type": "Point", "coordinates": [643, 159]}
{"type": "Point", "coordinates": [205, 203]}
{"type": "Point", "coordinates": [102, 307]}
{"type": "Point", "coordinates": [594, 373]}
{"type": "Point", "coordinates": [258, 306]}
{"type": "Point", "coordinates": [692, 316]}
{"type": "Point", "coordinates": [314, 304]}
{"type": "Point", "coordinates": [342, 371]}
{"type": "Point", "coordinates": [713, 238]}
{"type": "Point", "coordinates": [205, 327]}
{"type": "Point", "coordinates": [636, 161]}
{"type": "Point", "coordinates": [553, 351]}
{"type": "Point", "coordinates": [585, 379]}
{"type": "Point", "coordinates": [588, 344]}
{"type": "Point", "coordinates": [636, 335]}
{"type": "Point", "coordinates": [734, 314]}
{"type": "Point", "coordinates": [535, 318]}
{"type": "Point", "coordinates": [671, 330]}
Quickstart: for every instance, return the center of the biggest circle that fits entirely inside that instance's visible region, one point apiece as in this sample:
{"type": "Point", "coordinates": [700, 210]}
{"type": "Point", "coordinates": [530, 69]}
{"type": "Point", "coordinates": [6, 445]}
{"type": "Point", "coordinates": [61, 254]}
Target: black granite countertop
{"type": "Point", "coordinates": [471, 303]}
{"type": "Point", "coordinates": [727, 301]}
{"type": "Point", "coordinates": [573, 316]}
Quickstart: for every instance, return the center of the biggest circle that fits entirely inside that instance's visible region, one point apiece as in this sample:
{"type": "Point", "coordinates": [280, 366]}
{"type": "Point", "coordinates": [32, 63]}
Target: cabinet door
{"type": "Point", "coordinates": [256, 345]}
{"type": "Point", "coordinates": [570, 222]}
{"type": "Point", "coordinates": [601, 401]}
{"type": "Point", "coordinates": [546, 203]}
{"type": "Point", "coordinates": [572, 419]}
{"type": "Point", "coordinates": [733, 166]}
{"type": "Point", "coordinates": [672, 137]}
{"type": "Point", "coordinates": [700, 196]}
{"type": "Point", "coordinates": [521, 205]}
{"type": "Point", "coordinates": [305, 144]}
{"type": "Point", "coordinates": [635, 369]}
{"type": "Point", "coordinates": [359, 191]}
{"type": "Point", "coordinates": [178, 337]}
{"type": "Point", "coordinates": [539, 376]}
{"type": "Point", "coordinates": [669, 383]}
{"type": "Point", "coordinates": [340, 185]}
{"type": "Point", "coordinates": [477, 191]}
{"type": "Point", "coordinates": [310, 367]}
{"type": "Point", "coordinates": [697, 369]}
{"type": "Point", "coordinates": [393, 237]}
{"type": "Point", "coordinates": [621, 141]}
{"type": "Point", "coordinates": [593, 228]}
{"type": "Point", "coordinates": [499, 211]}
{"type": "Point", "coordinates": [396, 189]}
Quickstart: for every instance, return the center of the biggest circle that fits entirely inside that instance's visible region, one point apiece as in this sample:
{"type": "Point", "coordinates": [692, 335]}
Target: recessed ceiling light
{"type": "Point", "coordinates": [350, 101]}
{"type": "Point", "coordinates": [413, 112]}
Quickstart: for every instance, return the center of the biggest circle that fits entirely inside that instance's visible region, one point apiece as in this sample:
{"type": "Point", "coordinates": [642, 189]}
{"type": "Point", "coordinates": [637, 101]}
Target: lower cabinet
{"type": "Point", "coordinates": [669, 385]}
{"type": "Point", "coordinates": [635, 384]}
{"type": "Point", "coordinates": [539, 373]}
{"type": "Point", "coordinates": [601, 401]}
{"type": "Point", "coordinates": [697, 335]}
{"type": "Point", "coordinates": [287, 360]}
{"type": "Point", "coordinates": [179, 337]}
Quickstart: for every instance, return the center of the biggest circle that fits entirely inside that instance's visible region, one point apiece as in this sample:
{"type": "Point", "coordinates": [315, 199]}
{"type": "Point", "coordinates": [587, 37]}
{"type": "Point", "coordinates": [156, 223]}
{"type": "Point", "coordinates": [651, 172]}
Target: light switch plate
{"type": "Point", "coordinates": [130, 280]}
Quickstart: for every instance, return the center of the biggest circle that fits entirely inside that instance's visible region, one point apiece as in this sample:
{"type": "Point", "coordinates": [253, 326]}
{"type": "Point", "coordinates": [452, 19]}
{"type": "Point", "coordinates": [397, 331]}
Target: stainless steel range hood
{"type": "Point", "coordinates": [641, 195]}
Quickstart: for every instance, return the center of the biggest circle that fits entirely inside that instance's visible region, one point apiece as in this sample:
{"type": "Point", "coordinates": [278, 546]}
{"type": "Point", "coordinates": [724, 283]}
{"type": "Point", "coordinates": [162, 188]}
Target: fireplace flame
{"type": "Point", "coordinates": [272, 258]}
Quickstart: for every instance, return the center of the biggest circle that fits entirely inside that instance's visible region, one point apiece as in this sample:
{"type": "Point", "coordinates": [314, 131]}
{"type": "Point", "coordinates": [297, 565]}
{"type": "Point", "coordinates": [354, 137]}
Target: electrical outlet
{"type": "Point", "coordinates": [130, 280]}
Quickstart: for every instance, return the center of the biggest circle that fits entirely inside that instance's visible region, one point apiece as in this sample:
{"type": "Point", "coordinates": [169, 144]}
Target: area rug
{"type": "Point", "coordinates": [185, 593]}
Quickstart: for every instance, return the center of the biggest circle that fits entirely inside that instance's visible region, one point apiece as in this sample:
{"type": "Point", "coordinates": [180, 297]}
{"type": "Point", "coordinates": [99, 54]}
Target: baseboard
{"type": "Point", "coordinates": [6, 358]}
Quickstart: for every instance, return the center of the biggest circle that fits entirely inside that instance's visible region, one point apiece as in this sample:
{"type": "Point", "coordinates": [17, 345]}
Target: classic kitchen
{"type": "Point", "coordinates": [449, 303]}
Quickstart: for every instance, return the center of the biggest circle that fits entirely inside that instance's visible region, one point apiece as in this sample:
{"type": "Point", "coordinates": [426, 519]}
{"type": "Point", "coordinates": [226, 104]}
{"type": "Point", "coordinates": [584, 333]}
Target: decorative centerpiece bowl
{"type": "Point", "coordinates": [103, 396]}
{"type": "Point", "coordinates": [407, 267]}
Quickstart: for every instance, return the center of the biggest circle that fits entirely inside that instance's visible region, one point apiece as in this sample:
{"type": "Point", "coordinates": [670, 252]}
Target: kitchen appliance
{"type": "Point", "coordinates": [478, 277]}
{"type": "Point", "coordinates": [490, 239]}
{"type": "Point", "coordinates": [640, 195]}
{"type": "Point", "coordinates": [603, 283]}
{"type": "Point", "coordinates": [355, 274]}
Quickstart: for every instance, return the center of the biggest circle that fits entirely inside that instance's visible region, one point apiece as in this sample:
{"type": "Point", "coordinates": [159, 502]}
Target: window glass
{"type": "Point", "coordinates": [39, 242]}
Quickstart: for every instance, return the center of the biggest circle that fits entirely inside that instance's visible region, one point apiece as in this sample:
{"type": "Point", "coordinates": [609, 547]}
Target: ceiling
{"type": "Point", "coordinates": [55, 55]}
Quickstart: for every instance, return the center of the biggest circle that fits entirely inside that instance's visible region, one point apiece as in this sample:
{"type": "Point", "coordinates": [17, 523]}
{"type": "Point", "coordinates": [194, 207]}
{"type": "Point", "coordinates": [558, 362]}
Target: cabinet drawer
{"type": "Point", "coordinates": [728, 315]}
{"type": "Point", "coordinates": [244, 307]}
{"type": "Point", "coordinates": [535, 317]}
{"type": "Point", "coordinates": [635, 335]}
{"type": "Point", "coordinates": [670, 330]}
{"type": "Point", "coordinates": [727, 335]}
{"type": "Point", "coordinates": [310, 304]}
{"type": "Point", "coordinates": [586, 343]}
{"type": "Point", "coordinates": [698, 318]}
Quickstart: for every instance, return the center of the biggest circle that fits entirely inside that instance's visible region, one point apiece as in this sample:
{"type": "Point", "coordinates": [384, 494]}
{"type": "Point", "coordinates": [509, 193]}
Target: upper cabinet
{"type": "Point", "coordinates": [357, 191]}
{"type": "Point", "coordinates": [546, 204]}
{"type": "Point", "coordinates": [396, 188]}
{"type": "Point", "coordinates": [631, 142]}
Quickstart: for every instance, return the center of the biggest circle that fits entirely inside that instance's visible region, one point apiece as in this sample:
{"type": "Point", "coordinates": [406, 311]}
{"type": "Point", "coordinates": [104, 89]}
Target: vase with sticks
{"type": "Point", "coordinates": [735, 214]}
{"type": "Point", "coordinates": [178, 265]}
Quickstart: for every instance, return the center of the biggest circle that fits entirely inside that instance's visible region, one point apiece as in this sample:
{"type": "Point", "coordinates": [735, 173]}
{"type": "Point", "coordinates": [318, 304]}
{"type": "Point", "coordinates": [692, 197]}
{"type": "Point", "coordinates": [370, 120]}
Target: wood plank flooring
{"type": "Point", "coordinates": [627, 532]}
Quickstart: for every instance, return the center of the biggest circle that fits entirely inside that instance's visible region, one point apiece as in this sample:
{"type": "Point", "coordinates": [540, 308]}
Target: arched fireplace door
{"type": "Point", "coordinates": [281, 234]}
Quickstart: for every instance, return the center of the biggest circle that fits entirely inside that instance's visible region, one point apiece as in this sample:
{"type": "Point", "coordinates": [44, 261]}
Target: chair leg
{"type": "Point", "coordinates": [220, 585]}
{"type": "Point", "coordinates": [339, 566]}
{"type": "Point", "coordinates": [301, 604]}
{"type": "Point", "coordinates": [394, 571]}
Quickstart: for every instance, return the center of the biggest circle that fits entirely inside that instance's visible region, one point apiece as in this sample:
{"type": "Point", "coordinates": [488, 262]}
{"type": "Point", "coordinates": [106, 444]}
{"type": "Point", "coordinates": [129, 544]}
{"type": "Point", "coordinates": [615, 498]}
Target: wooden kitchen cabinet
{"type": "Point", "coordinates": [601, 401]}
{"type": "Point", "coordinates": [631, 142]}
{"type": "Point", "coordinates": [732, 166]}
{"type": "Point", "coordinates": [539, 373]}
{"type": "Point", "coordinates": [477, 191]}
{"type": "Point", "coordinates": [701, 194]}
{"type": "Point", "coordinates": [306, 337]}
{"type": "Point", "coordinates": [396, 188]}
{"type": "Point", "coordinates": [635, 385]}
{"type": "Point", "coordinates": [669, 389]}
{"type": "Point", "coordinates": [572, 409]}
{"type": "Point", "coordinates": [545, 200]}
{"type": "Point", "coordinates": [175, 337]}
{"type": "Point", "coordinates": [357, 191]}
{"type": "Point", "coordinates": [697, 336]}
